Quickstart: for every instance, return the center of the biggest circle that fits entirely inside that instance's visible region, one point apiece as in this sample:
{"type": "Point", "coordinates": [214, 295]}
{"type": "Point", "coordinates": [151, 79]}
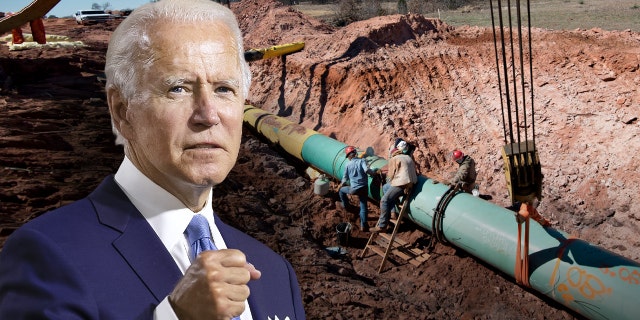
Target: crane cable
{"type": "Point", "coordinates": [527, 210]}
{"type": "Point", "coordinates": [505, 68]}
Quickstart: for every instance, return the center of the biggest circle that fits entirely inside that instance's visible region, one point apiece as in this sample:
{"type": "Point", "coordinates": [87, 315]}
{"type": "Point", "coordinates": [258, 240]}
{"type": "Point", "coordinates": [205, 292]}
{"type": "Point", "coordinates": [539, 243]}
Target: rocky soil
{"type": "Point", "coordinates": [362, 84]}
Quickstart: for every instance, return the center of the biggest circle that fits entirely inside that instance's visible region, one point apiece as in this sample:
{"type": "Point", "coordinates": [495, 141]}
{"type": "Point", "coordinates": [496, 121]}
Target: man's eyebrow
{"type": "Point", "coordinates": [230, 82]}
{"type": "Point", "coordinates": [174, 80]}
{"type": "Point", "coordinates": [179, 80]}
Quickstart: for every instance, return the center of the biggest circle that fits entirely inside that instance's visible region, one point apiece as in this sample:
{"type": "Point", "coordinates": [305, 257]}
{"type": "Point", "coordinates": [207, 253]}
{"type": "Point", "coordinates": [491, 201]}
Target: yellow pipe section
{"type": "Point", "coordinates": [271, 52]}
{"type": "Point", "coordinates": [278, 130]}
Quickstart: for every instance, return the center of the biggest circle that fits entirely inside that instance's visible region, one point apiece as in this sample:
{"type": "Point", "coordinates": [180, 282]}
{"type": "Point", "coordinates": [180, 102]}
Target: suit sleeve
{"type": "Point", "coordinates": [296, 295]}
{"type": "Point", "coordinates": [37, 281]}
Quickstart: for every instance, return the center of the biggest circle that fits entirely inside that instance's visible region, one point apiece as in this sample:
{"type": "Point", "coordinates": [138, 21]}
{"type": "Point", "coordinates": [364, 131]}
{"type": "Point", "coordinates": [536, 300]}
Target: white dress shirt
{"type": "Point", "coordinates": [169, 218]}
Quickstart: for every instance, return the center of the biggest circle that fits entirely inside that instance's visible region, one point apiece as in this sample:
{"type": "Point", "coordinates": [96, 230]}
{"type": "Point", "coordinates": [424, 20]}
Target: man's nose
{"type": "Point", "coordinates": [206, 111]}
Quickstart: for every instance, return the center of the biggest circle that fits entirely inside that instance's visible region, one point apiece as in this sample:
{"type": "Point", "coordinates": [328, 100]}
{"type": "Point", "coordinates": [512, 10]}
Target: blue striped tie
{"type": "Point", "coordinates": [199, 236]}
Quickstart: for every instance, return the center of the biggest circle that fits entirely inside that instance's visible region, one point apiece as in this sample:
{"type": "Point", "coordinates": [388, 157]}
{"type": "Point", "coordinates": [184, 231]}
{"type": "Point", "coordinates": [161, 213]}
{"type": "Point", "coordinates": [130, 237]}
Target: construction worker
{"type": "Point", "coordinates": [355, 181]}
{"type": "Point", "coordinates": [401, 177]}
{"type": "Point", "coordinates": [466, 173]}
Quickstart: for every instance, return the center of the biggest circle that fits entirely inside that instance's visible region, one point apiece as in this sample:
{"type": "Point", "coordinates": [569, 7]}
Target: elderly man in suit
{"type": "Point", "coordinates": [176, 85]}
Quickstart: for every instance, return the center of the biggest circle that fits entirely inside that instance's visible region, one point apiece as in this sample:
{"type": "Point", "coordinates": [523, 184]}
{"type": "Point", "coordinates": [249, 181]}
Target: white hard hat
{"type": "Point", "coordinates": [402, 145]}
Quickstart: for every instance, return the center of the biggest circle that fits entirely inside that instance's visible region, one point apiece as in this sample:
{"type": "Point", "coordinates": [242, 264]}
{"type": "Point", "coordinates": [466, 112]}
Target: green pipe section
{"type": "Point", "coordinates": [590, 280]}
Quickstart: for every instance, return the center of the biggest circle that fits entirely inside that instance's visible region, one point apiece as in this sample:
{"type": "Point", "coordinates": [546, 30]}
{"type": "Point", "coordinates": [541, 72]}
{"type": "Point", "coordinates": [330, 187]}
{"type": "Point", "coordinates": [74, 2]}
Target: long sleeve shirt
{"type": "Point", "coordinates": [402, 170]}
{"type": "Point", "coordinates": [466, 172]}
{"type": "Point", "coordinates": [355, 172]}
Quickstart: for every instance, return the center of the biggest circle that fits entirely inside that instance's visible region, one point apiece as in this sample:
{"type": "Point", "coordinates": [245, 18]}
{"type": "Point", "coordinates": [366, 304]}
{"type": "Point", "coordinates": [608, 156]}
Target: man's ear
{"type": "Point", "coordinates": [118, 108]}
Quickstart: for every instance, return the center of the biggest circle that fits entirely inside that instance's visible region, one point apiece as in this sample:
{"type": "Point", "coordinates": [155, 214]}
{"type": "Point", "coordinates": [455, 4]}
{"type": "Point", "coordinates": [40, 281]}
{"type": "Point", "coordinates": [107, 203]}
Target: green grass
{"type": "Point", "coordinates": [549, 14]}
{"type": "Point", "coordinates": [319, 11]}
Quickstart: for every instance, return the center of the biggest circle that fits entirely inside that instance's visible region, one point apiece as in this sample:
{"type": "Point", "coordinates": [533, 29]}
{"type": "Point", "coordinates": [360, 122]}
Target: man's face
{"type": "Point", "coordinates": [185, 123]}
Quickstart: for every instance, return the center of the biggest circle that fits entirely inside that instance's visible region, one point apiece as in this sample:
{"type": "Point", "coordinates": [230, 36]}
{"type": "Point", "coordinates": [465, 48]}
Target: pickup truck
{"type": "Point", "coordinates": [91, 16]}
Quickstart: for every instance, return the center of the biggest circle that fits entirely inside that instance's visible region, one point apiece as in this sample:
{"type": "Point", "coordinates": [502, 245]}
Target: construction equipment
{"type": "Point", "coordinates": [35, 10]}
{"type": "Point", "coordinates": [521, 161]}
{"type": "Point", "coordinates": [385, 244]}
{"type": "Point", "coordinates": [523, 171]}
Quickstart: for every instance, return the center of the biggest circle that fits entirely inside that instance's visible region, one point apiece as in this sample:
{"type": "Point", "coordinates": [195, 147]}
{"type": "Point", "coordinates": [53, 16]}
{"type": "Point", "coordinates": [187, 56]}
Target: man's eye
{"type": "Point", "coordinates": [225, 90]}
{"type": "Point", "coordinates": [177, 90]}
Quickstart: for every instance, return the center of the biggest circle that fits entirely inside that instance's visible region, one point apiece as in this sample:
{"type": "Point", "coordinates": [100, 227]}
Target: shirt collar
{"type": "Point", "coordinates": [167, 215]}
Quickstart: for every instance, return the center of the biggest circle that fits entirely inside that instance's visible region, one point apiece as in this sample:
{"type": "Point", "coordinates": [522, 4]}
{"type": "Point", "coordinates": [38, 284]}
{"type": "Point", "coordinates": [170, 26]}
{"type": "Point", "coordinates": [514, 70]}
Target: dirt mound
{"type": "Point", "coordinates": [362, 84]}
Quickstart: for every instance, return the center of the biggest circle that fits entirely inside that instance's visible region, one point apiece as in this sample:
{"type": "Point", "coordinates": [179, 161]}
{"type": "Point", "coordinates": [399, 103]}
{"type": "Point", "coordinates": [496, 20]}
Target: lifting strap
{"type": "Point", "coordinates": [522, 254]}
{"type": "Point", "coordinates": [527, 212]}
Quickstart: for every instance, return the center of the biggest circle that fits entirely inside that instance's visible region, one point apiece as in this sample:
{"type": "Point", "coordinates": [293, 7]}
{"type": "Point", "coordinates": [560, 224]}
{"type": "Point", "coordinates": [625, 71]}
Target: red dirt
{"type": "Point", "coordinates": [361, 84]}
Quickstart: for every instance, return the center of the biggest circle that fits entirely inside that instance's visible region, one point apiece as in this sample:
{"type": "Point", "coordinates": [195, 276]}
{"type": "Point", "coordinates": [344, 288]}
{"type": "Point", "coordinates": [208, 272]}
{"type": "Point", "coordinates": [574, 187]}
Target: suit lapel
{"type": "Point", "coordinates": [138, 244]}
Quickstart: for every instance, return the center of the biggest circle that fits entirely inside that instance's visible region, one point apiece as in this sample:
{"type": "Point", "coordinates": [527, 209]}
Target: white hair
{"type": "Point", "coordinates": [130, 43]}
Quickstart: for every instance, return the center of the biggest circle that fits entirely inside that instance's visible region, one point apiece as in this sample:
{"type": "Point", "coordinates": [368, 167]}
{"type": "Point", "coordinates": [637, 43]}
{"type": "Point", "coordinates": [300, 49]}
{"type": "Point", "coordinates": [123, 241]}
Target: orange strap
{"type": "Point", "coordinates": [522, 254]}
{"type": "Point", "coordinates": [538, 217]}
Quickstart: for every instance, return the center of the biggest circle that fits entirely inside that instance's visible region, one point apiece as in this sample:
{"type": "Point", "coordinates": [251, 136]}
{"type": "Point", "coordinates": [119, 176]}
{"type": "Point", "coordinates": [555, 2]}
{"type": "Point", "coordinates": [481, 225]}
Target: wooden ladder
{"type": "Point", "coordinates": [385, 244]}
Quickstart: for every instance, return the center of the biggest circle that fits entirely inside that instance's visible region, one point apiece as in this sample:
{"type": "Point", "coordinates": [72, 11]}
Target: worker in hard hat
{"type": "Point", "coordinates": [466, 174]}
{"type": "Point", "coordinates": [355, 181]}
{"type": "Point", "coordinates": [401, 177]}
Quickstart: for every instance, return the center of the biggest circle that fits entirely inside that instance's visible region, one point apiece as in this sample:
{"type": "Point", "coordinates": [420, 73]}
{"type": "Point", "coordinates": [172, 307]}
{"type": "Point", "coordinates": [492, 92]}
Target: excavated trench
{"type": "Point", "coordinates": [362, 84]}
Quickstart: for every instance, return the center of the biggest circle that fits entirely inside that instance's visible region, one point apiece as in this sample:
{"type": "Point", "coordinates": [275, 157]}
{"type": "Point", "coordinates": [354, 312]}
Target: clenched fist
{"type": "Point", "coordinates": [214, 286]}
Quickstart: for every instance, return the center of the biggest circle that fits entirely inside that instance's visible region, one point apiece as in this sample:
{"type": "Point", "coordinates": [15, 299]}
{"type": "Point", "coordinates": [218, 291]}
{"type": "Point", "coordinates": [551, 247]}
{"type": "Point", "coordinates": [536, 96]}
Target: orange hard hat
{"type": "Point", "coordinates": [456, 155]}
{"type": "Point", "coordinates": [349, 150]}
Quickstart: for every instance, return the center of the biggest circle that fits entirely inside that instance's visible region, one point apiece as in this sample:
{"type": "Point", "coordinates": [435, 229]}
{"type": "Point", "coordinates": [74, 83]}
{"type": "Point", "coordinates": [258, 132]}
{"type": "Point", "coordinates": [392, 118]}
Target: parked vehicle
{"type": "Point", "coordinates": [92, 16]}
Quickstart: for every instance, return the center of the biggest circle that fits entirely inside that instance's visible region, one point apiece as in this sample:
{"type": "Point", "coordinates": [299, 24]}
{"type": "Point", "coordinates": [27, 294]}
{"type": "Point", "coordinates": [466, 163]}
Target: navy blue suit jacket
{"type": "Point", "coordinates": [98, 258]}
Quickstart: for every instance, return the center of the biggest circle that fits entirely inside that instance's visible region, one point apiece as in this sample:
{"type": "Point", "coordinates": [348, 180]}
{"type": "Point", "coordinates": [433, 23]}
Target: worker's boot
{"type": "Point", "coordinates": [380, 229]}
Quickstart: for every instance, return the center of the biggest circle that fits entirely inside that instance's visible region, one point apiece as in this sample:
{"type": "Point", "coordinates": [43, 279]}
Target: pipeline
{"type": "Point", "coordinates": [272, 52]}
{"type": "Point", "coordinates": [590, 280]}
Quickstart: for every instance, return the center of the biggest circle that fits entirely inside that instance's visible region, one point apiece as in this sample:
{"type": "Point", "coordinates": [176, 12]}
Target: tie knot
{"type": "Point", "coordinates": [198, 229]}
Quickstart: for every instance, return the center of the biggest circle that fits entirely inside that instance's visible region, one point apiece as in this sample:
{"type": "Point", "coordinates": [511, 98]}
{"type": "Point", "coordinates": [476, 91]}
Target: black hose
{"type": "Point", "coordinates": [438, 216]}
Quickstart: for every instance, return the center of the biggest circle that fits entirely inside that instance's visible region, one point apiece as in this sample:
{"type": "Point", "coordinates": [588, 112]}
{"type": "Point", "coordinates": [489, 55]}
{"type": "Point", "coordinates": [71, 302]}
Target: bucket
{"type": "Point", "coordinates": [343, 230]}
{"type": "Point", "coordinates": [476, 191]}
{"type": "Point", "coordinates": [321, 186]}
